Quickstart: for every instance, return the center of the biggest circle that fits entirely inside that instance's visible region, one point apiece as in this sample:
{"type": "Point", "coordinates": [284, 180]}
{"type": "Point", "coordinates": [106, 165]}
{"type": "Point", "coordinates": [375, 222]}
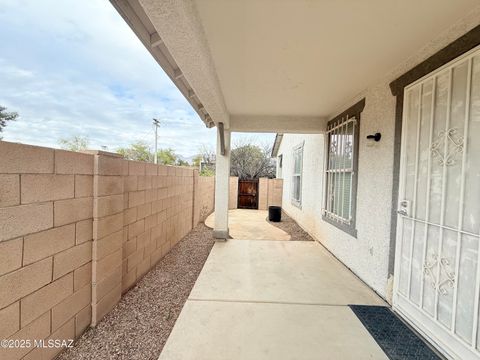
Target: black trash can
{"type": "Point", "coordinates": [275, 213]}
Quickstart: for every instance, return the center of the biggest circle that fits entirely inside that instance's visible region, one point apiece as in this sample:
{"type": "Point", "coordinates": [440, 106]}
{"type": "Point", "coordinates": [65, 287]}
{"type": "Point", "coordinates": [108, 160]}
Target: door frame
{"type": "Point", "coordinates": [416, 317]}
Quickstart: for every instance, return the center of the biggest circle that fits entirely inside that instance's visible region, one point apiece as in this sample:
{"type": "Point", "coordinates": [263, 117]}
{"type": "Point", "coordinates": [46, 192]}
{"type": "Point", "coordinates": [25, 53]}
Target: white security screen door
{"type": "Point", "coordinates": [437, 272]}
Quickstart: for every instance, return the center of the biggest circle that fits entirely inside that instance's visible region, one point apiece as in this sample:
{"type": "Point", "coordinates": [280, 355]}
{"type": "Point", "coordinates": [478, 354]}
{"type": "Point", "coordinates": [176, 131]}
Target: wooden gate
{"type": "Point", "coordinates": [248, 194]}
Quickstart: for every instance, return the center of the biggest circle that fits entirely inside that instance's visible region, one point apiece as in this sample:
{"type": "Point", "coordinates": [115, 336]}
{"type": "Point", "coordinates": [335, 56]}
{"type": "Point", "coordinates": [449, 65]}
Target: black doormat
{"type": "Point", "coordinates": [396, 339]}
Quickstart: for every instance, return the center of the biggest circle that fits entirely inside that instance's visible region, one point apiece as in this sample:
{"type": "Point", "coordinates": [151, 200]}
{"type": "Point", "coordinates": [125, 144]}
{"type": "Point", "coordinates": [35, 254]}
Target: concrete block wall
{"type": "Point", "coordinates": [275, 192]}
{"type": "Point", "coordinates": [233, 196]}
{"type": "Point", "coordinates": [46, 217]}
{"type": "Point", "coordinates": [79, 229]}
{"type": "Point", "coordinates": [204, 197]}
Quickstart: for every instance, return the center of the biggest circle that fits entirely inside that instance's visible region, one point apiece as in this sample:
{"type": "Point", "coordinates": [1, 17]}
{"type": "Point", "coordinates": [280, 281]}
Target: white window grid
{"type": "Point", "coordinates": [340, 147]}
{"type": "Point", "coordinates": [297, 155]}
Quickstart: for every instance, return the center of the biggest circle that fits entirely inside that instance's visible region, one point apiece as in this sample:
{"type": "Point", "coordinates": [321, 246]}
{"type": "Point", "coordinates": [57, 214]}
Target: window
{"type": "Point", "coordinates": [297, 176]}
{"type": "Point", "coordinates": [341, 168]}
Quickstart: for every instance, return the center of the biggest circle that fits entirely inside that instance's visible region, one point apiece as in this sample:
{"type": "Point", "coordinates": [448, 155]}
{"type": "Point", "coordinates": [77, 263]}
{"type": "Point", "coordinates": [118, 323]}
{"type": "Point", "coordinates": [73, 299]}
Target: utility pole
{"type": "Point", "coordinates": [156, 123]}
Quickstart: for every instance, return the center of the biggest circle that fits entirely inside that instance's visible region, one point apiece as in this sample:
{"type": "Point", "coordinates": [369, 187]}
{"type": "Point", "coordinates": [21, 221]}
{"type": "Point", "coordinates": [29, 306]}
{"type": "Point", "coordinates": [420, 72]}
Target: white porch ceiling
{"type": "Point", "coordinates": [307, 57]}
{"type": "Point", "coordinates": [261, 64]}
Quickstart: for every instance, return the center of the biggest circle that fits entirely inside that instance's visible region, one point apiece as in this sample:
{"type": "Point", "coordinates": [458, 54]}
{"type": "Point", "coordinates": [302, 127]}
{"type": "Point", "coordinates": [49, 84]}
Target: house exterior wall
{"type": "Point", "coordinates": [77, 230]}
{"type": "Point", "coordinates": [368, 254]}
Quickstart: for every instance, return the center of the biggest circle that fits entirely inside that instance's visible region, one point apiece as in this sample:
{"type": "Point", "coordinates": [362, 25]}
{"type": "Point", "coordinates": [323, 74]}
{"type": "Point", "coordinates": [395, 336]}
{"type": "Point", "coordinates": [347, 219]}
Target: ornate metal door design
{"type": "Point", "coordinates": [437, 272]}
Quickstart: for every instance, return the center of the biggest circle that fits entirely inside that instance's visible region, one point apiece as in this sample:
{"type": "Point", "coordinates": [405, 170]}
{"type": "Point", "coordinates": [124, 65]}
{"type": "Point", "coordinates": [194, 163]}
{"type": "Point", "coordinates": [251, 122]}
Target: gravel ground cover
{"type": "Point", "coordinates": [291, 227]}
{"type": "Point", "coordinates": [138, 327]}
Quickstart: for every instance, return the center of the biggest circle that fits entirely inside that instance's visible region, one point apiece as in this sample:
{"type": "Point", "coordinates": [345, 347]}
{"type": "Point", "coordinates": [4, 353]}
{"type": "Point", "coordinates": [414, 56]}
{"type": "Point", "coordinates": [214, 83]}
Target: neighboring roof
{"type": "Point", "coordinates": [276, 144]}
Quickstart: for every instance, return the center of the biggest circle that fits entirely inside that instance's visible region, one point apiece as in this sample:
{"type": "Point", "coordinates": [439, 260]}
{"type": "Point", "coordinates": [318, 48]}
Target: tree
{"type": "Point", "coordinates": [141, 151]}
{"type": "Point", "coordinates": [249, 161]}
{"type": "Point", "coordinates": [74, 143]}
{"type": "Point", "coordinates": [167, 156]}
{"type": "Point", "coordinates": [205, 161]}
{"type": "Point", "coordinates": [5, 117]}
{"type": "Point", "coordinates": [138, 151]}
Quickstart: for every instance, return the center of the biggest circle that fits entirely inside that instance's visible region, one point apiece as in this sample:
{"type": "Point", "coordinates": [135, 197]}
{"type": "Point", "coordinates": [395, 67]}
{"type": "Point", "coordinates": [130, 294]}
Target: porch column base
{"type": "Point", "coordinates": [221, 234]}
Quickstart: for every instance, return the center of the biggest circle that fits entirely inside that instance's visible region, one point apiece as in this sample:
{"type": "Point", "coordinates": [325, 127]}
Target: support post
{"type": "Point", "coordinates": [222, 183]}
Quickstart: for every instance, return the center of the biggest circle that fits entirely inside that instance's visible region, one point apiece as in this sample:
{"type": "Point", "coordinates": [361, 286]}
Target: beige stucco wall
{"type": "Point", "coordinates": [77, 230]}
{"type": "Point", "coordinates": [368, 254]}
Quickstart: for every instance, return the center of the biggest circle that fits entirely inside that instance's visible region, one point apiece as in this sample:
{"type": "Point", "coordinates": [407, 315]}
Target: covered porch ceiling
{"type": "Point", "coordinates": [282, 65]}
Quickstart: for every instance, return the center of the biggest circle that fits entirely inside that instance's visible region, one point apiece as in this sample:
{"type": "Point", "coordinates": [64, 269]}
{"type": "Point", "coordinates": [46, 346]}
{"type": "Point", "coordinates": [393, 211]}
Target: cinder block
{"type": "Point", "coordinates": [20, 158]}
{"type": "Point", "coordinates": [129, 248]}
{"type": "Point", "coordinates": [9, 320]}
{"type": "Point", "coordinates": [109, 185]}
{"type": "Point", "coordinates": [128, 280]}
{"type": "Point", "coordinates": [151, 195]}
{"type": "Point", "coordinates": [108, 165]}
{"type": "Point", "coordinates": [82, 320]}
{"type": "Point", "coordinates": [24, 281]}
{"type": "Point", "coordinates": [82, 276]}
{"type": "Point", "coordinates": [156, 256]}
{"type": "Point", "coordinates": [83, 231]}
{"type": "Point", "coordinates": [136, 168]}
{"type": "Point", "coordinates": [105, 265]}
{"type": "Point", "coordinates": [9, 190]}
{"type": "Point", "coordinates": [141, 182]}
{"type": "Point", "coordinates": [47, 243]}
{"type": "Point", "coordinates": [143, 239]}
{"type": "Point", "coordinates": [69, 307]}
{"type": "Point", "coordinates": [107, 245]}
{"type": "Point", "coordinates": [71, 259]}
{"type": "Point", "coordinates": [21, 220]}
{"type": "Point", "coordinates": [38, 329]}
{"type": "Point", "coordinates": [66, 332]}
{"type": "Point", "coordinates": [134, 259]}
{"type": "Point", "coordinates": [83, 186]}
{"type": "Point", "coordinates": [108, 205]}
{"type": "Point", "coordinates": [69, 162]}
{"type": "Point", "coordinates": [73, 210]}
{"type": "Point", "coordinates": [34, 305]}
{"type": "Point", "coordinates": [136, 228]}
{"type": "Point", "coordinates": [150, 221]}
{"type": "Point", "coordinates": [151, 169]}
{"type": "Point", "coordinates": [143, 267]}
{"type": "Point", "coordinates": [106, 285]}
{"type": "Point", "coordinates": [144, 210]}
{"type": "Point", "coordinates": [10, 256]}
{"type": "Point", "coordinates": [107, 225]}
{"type": "Point", "coordinates": [162, 170]}
{"type": "Point", "coordinates": [130, 183]}
{"type": "Point", "coordinates": [106, 304]}
{"type": "Point", "coordinates": [130, 216]}
{"type": "Point", "coordinates": [136, 198]}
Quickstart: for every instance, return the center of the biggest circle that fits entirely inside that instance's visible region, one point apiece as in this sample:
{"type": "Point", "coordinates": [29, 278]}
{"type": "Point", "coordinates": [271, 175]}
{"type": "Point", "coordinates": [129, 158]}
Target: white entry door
{"type": "Point", "coordinates": [437, 272]}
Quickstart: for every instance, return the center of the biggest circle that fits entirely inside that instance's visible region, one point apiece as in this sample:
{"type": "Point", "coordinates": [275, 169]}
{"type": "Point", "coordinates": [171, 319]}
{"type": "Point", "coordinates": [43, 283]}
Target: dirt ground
{"type": "Point", "coordinates": [140, 324]}
{"type": "Point", "coordinates": [138, 327]}
{"type": "Point", "coordinates": [291, 227]}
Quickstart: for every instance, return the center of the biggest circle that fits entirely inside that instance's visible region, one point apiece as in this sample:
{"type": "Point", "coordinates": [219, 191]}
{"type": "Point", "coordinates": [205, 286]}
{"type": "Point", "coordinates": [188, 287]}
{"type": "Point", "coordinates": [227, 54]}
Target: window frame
{"type": "Point", "coordinates": [352, 114]}
{"type": "Point", "coordinates": [294, 201]}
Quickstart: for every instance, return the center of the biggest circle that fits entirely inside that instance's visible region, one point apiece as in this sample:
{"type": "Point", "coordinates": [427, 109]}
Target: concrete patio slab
{"type": "Point", "coordinates": [279, 272]}
{"type": "Point", "coordinates": [209, 330]}
{"type": "Point", "coordinates": [250, 224]}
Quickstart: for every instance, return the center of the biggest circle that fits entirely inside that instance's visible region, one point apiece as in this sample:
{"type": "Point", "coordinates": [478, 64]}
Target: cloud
{"type": "Point", "coordinates": [75, 68]}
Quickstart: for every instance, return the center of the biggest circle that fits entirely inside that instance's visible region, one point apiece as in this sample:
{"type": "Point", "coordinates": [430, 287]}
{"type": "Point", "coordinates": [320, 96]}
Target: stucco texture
{"type": "Point", "coordinates": [368, 254]}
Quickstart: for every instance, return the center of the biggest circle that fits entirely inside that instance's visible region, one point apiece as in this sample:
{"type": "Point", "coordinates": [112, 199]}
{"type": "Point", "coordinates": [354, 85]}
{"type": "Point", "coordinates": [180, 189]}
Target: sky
{"type": "Point", "coordinates": [75, 68]}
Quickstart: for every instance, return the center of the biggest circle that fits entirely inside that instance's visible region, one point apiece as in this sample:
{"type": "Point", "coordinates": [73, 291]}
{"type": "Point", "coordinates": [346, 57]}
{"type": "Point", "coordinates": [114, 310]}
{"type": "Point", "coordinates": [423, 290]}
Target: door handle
{"type": "Point", "coordinates": [402, 212]}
